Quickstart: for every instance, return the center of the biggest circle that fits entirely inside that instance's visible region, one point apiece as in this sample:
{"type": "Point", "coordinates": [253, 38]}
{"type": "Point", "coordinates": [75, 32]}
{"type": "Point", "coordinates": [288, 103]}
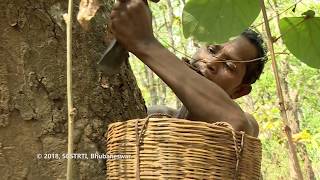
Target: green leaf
{"type": "Point", "coordinates": [302, 37]}
{"type": "Point", "coordinates": [215, 21]}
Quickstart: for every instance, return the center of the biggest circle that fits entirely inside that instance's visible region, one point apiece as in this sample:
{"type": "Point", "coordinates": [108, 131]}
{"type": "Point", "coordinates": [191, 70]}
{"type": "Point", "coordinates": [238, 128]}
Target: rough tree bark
{"type": "Point", "coordinates": [292, 105]}
{"type": "Point", "coordinates": [33, 113]}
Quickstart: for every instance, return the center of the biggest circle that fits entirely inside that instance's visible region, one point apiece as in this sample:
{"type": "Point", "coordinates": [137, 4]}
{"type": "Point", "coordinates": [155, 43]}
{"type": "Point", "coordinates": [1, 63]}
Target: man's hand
{"type": "Point", "coordinates": [131, 23]}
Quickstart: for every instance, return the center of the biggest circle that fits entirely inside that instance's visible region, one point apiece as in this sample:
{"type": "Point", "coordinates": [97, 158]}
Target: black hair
{"type": "Point", "coordinates": [255, 68]}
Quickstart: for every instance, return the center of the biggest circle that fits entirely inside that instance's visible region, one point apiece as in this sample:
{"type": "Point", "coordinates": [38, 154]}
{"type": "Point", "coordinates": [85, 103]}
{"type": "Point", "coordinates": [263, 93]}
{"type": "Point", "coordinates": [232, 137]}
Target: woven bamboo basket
{"type": "Point", "coordinates": [169, 148]}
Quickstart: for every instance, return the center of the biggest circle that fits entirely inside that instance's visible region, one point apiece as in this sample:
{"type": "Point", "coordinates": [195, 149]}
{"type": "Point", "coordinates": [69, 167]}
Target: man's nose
{"type": "Point", "coordinates": [212, 66]}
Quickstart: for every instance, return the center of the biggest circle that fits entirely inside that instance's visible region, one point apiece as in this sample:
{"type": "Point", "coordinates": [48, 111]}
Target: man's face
{"type": "Point", "coordinates": [228, 75]}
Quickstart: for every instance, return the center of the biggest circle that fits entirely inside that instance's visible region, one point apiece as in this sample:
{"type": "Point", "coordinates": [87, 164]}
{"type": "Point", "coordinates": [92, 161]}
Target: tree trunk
{"type": "Point", "coordinates": [292, 115]}
{"type": "Point", "coordinates": [292, 106]}
{"type": "Point", "coordinates": [162, 92]}
{"type": "Point", "coordinates": [169, 27]}
{"type": "Point", "coordinates": [307, 162]}
{"type": "Point", "coordinates": [33, 112]}
{"type": "Point", "coordinates": [153, 87]}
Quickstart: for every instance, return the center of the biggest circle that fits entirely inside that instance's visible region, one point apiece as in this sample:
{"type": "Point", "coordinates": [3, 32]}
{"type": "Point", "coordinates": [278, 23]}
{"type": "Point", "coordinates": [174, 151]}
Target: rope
{"type": "Point", "coordinates": [223, 60]}
{"type": "Point", "coordinates": [137, 152]}
{"type": "Point", "coordinates": [220, 58]}
{"type": "Point", "coordinates": [237, 150]}
{"type": "Point", "coordinates": [239, 155]}
{"type": "Point", "coordinates": [139, 138]}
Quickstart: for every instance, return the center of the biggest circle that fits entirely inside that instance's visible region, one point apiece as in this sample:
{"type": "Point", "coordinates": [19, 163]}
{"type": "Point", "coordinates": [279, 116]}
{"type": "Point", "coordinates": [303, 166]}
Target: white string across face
{"type": "Point", "coordinates": [225, 64]}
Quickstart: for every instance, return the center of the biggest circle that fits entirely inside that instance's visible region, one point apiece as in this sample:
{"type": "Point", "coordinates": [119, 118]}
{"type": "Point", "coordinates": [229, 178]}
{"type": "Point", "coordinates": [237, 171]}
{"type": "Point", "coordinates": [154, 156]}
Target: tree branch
{"type": "Point", "coordinates": [284, 116]}
{"type": "Point", "coordinates": [71, 110]}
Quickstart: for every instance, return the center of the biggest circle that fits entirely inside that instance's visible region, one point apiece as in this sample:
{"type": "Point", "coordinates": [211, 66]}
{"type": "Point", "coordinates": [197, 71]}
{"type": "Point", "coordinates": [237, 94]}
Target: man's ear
{"type": "Point", "coordinates": [241, 90]}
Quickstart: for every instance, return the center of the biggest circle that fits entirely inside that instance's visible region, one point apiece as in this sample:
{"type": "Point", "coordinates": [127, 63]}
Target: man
{"type": "Point", "coordinates": [208, 96]}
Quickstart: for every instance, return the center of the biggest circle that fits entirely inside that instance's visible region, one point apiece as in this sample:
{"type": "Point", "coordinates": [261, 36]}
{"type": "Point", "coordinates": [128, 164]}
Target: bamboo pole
{"type": "Point", "coordinates": [287, 129]}
{"type": "Point", "coordinates": [71, 110]}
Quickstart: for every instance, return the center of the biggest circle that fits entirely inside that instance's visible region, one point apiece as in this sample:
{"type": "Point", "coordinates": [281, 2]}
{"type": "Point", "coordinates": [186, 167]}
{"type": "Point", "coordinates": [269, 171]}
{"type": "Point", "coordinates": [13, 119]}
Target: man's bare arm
{"type": "Point", "coordinates": [206, 101]}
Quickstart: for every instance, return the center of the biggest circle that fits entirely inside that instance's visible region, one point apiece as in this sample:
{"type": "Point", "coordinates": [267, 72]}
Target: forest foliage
{"type": "Point", "coordinates": [300, 83]}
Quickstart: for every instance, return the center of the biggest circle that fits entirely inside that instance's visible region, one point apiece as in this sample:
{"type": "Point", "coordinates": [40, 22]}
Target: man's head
{"type": "Point", "coordinates": [223, 63]}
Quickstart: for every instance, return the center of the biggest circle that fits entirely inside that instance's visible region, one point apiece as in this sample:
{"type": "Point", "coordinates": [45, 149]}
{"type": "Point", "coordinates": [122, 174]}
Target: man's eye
{"type": "Point", "coordinates": [230, 66]}
{"type": "Point", "coordinates": [212, 49]}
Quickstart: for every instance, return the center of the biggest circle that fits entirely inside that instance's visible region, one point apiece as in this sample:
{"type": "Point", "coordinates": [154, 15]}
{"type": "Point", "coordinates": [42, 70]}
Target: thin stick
{"type": "Point", "coordinates": [71, 110]}
{"type": "Point", "coordinates": [283, 111]}
{"type": "Point", "coordinates": [279, 13]}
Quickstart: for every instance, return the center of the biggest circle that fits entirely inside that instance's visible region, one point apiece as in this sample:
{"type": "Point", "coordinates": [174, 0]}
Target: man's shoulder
{"type": "Point", "coordinates": [254, 126]}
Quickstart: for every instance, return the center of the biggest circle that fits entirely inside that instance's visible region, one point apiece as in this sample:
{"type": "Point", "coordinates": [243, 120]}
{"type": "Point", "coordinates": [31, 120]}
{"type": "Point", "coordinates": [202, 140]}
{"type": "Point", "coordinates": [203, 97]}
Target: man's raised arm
{"type": "Point", "coordinates": [206, 101]}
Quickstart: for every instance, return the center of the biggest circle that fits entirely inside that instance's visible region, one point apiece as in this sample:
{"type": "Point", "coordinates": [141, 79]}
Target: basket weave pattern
{"type": "Point", "coordinates": [172, 148]}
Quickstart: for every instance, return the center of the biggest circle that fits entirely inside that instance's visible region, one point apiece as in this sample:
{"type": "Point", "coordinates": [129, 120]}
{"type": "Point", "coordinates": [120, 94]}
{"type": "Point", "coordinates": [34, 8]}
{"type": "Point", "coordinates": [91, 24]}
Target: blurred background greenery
{"type": "Point", "coordinates": [300, 85]}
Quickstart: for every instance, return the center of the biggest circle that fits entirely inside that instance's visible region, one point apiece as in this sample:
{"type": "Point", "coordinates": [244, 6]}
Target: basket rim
{"type": "Point", "coordinates": [171, 120]}
{"type": "Point", "coordinates": [140, 126]}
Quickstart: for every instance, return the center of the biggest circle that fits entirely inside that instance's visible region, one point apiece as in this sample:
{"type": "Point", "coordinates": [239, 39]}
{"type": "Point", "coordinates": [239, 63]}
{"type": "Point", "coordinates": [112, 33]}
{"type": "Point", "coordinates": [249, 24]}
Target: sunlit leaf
{"type": "Point", "coordinates": [302, 37]}
{"type": "Point", "coordinates": [269, 125]}
{"type": "Point", "coordinates": [301, 136]}
{"type": "Point", "coordinates": [215, 21]}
